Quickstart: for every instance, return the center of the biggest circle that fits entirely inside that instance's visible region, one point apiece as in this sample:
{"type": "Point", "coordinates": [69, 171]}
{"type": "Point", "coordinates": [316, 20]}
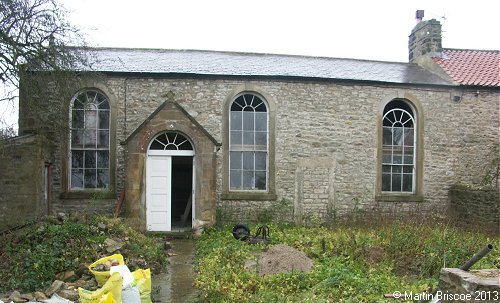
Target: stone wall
{"type": "Point", "coordinates": [24, 165]}
{"type": "Point", "coordinates": [425, 38]}
{"type": "Point", "coordinates": [331, 123]}
{"type": "Point", "coordinates": [314, 194]}
{"type": "Point", "coordinates": [459, 286]}
{"type": "Point", "coordinates": [479, 207]}
{"type": "Point", "coordinates": [93, 205]}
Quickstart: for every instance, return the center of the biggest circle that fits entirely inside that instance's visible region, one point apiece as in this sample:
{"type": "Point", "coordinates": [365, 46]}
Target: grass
{"type": "Point", "coordinates": [351, 264]}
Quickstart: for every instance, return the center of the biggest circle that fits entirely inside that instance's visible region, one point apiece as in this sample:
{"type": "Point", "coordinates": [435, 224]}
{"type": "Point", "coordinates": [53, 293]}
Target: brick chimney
{"type": "Point", "coordinates": [425, 39]}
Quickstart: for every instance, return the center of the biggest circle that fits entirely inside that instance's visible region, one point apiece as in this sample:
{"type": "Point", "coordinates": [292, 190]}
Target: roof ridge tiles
{"type": "Point", "coordinates": [472, 50]}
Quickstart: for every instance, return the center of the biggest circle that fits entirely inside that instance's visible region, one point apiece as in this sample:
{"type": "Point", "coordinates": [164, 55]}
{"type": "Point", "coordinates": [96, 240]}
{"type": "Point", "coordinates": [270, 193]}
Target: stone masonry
{"type": "Point", "coordinates": [476, 206]}
{"type": "Point", "coordinates": [460, 286]}
{"type": "Point", "coordinates": [172, 117]}
{"type": "Point", "coordinates": [25, 163]}
{"type": "Point", "coordinates": [325, 137]}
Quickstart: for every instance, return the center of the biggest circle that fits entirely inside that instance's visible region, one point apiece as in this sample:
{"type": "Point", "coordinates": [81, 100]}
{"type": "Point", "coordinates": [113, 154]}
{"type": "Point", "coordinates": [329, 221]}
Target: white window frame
{"type": "Point", "coordinates": [249, 148]}
{"type": "Point", "coordinates": [402, 118]}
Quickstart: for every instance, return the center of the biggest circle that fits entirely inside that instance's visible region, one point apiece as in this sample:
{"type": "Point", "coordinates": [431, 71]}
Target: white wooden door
{"type": "Point", "coordinates": [159, 175]}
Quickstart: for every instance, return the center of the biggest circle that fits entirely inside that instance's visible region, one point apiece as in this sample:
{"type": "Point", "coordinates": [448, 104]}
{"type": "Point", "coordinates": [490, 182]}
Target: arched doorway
{"type": "Point", "coordinates": [170, 176]}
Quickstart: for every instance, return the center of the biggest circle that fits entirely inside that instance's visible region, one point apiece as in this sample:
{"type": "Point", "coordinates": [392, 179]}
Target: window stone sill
{"type": "Point", "coordinates": [249, 196]}
{"type": "Point", "coordinates": [399, 198]}
{"type": "Point", "coordinates": [87, 194]}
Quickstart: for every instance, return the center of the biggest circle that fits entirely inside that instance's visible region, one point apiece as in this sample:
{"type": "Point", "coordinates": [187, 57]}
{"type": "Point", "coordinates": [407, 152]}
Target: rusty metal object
{"type": "Point", "coordinates": [242, 232]}
{"type": "Point", "coordinates": [262, 236]}
{"type": "Point", "coordinates": [478, 256]}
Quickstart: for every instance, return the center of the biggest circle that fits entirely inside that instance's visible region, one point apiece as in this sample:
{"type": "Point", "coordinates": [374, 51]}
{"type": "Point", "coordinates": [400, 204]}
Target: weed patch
{"type": "Point", "coordinates": [351, 264]}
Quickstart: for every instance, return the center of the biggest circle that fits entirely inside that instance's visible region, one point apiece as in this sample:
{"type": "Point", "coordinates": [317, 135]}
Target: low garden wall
{"type": "Point", "coordinates": [477, 206]}
{"type": "Point", "coordinates": [24, 165]}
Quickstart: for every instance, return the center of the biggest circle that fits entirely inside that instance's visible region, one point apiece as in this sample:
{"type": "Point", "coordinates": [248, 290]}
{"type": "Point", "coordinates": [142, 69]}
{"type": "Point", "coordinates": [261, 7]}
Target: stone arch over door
{"type": "Point", "coordinates": [170, 117]}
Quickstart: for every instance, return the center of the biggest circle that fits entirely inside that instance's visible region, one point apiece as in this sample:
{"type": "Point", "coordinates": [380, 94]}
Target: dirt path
{"type": "Point", "coordinates": [176, 285]}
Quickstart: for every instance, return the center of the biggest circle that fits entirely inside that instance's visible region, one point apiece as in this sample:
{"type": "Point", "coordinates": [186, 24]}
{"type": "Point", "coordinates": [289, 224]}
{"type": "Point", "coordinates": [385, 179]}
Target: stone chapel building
{"type": "Point", "coordinates": [178, 134]}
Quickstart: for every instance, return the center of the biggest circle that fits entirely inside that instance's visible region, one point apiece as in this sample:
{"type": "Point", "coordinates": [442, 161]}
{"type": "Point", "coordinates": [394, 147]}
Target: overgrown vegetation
{"type": "Point", "coordinates": [352, 264]}
{"type": "Point", "coordinates": [275, 212]}
{"type": "Point", "coordinates": [281, 211]}
{"type": "Point", "coordinates": [492, 173]}
{"type": "Point", "coordinates": [31, 257]}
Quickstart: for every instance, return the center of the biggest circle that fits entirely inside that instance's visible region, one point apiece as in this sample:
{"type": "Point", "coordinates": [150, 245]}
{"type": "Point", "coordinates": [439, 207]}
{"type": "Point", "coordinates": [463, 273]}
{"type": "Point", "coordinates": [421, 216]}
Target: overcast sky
{"type": "Point", "coordinates": [360, 29]}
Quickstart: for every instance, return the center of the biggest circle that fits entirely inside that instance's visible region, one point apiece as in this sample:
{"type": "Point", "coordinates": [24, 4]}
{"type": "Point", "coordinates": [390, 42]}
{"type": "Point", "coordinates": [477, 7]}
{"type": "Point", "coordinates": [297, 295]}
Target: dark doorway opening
{"type": "Point", "coordinates": [182, 188]}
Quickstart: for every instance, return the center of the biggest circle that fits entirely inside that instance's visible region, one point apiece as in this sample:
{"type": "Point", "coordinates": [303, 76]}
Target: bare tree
{"type": "Point", "coordinates": [34, 36]}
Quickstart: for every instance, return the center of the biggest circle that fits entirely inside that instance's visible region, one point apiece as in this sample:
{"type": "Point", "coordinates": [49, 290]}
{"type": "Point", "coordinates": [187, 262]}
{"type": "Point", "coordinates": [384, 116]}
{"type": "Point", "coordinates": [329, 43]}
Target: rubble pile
{"type": "Point", "coordinates": [65, 286]}
{"type": "Point", "coordinates": [66, 290]}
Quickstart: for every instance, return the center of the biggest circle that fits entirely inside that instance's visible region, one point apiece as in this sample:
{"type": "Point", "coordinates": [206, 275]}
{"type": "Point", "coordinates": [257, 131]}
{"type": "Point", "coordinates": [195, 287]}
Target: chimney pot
{"type": "Point", "coordinates": [419, 15]}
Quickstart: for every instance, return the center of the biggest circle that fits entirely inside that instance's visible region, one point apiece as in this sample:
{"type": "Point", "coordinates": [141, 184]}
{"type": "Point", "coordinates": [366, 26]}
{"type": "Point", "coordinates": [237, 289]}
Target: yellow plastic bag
{"type": "Point", "coordinates": [110, 292]}
{"type": "Point", "coordinates": [102, 276]}
{"type": "Point", "coordinates": [107, 298]}
{"type": "Point", "coordinates": [143, 279]}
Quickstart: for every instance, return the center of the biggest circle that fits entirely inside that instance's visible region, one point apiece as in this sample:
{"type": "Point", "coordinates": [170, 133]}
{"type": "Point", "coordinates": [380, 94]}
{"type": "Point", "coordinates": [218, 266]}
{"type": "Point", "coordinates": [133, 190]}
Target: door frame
{"type": "Point", "coordinates": [172, 153]}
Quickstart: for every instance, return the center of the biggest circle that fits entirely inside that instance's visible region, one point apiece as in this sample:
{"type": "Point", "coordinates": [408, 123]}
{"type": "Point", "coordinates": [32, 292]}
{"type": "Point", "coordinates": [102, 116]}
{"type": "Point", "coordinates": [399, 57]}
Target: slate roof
{"type": "Point", "coordinates": [471, 67]}
{"type": "Point", "coordinates": [213, 63]}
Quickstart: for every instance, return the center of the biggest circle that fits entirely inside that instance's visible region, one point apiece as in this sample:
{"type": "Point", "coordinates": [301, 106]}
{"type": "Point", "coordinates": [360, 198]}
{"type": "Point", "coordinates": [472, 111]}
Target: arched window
{"type": "Point", "coordinates": [399, 147]}
{"type": "Point", "coordinates": [89, 137]}
{"type": "Point", "coordinates": [248, 143]}
{"type": "Point", "coordinates": [170, 141]}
